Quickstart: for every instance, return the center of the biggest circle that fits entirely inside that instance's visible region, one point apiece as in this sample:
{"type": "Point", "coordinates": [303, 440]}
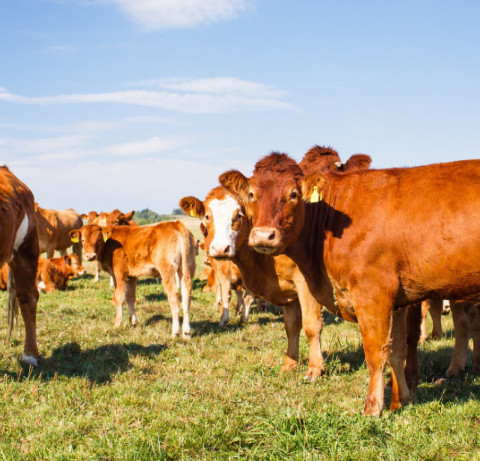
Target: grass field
{"type": "Point", "coordinates": [105, 393]}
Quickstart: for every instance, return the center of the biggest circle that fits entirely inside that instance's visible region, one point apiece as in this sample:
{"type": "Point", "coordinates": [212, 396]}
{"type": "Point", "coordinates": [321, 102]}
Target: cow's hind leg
{"type": "Point", "coordinates": [170, 285]}
{"type": "Point", "coordinates": [130, 296]}
{"type": "Point", "coordinates": [412, 370]}
{"type": "Point", "coordinates": [461, 324]}
{"type": "Point", "coordinates": [292, 317]}
{"type": "Point", "coordinates": [248, 300]}
{"type": "Point", "coordinates": [400, 390]}
{"type": "Point", "coordinates": [186, 290]}
{"type": "Point", "coordinates": [24, 268]}
{"type": "Point", "coordinates": [119, 299]}
{"type": "Point", "coordinates": [436, 309]}
{"type": "Point", "coordinates": [475, 330]}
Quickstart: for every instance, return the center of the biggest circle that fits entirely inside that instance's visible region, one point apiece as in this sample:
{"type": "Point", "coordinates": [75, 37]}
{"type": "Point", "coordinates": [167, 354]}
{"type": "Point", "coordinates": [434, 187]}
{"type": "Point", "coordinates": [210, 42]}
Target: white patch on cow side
{"type": "Point", "coordinates": [222, 214]}
{"type": "Point", "coordinates": [21, 233]}
{"type": "Point", "coordinates": [29, 360]}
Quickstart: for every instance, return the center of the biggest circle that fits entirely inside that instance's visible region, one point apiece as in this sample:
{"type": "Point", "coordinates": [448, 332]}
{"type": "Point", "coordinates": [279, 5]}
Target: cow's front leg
{"type": "Point", "coordinates": [131, 288]}
{"type": "Point", "coordinates": [118, 299]}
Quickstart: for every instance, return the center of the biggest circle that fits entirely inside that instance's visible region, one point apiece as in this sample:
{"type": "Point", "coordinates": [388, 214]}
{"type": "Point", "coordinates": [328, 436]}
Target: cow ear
{"type": "Point", "coordinates": [36, 206]}
{"type": "Point", "coordinates": [74, 235]}
{"type": "Point", "coordinates": [84, 216]}
{"type": "Point", "coordinates": [67, 259]}
{"type": "Point", "coordinates": [313, 188]}
{"type": "Point", "coordinates": [204, 230]}
{"type": "Point", "coordinates": [357, 162]}
{"type": "Point", "coordinates": [129, 216]}
{"type": "Point", "coordinates": [192, 206]}
{"type": "Point", "coordinates": [236, 183]}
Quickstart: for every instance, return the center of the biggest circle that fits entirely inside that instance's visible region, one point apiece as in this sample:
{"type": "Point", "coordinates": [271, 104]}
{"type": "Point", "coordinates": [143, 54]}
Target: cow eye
{"type": "Point", "coordinates": [293, 195]}
{"type": "Point", "coordinates": [251, 196]}
{"type": "Point", "coordinates": [207, 217]}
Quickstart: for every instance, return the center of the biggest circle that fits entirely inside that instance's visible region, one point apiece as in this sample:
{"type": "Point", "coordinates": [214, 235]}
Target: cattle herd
{"type": "Point", "coordinates": [376, 247]}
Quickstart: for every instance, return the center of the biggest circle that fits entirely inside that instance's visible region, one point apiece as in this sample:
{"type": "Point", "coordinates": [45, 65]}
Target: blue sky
{"type": "Point", "coordinates": [136, 103]}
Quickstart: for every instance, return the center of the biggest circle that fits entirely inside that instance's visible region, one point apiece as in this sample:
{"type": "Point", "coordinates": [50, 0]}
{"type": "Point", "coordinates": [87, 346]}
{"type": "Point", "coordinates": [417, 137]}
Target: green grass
{"type": "Point", "coordinates": [105, 393]}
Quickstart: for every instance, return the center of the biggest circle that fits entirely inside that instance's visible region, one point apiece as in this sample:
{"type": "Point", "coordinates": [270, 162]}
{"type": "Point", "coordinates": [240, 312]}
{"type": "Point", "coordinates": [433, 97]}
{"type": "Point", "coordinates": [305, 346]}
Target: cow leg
{"type": "Point", "coordinates": [412, 369]}
{"type": "Point", "coordinates": [24, 268]}
{"type": "Point", "coordinates": [78, 249]}
{"type": "Point", "coordinates": [226, 288]}
{"type": "Point", "coordinates": [248, 300]}
{"type": "Point", "coordinates": [475, 329]}
{"type": "Point", "coordinates": [97, 271]}
{"type": "Point", "coordinates": [112, 281]}
{"type": "Point", "coordinates": [118, 299]}
{"type": "Point", "coordinates": [436, 309]}
{"type": "Point", "coordinates": [130, 296]}
{"type": "Point", "coordinates": [218, 297]}
{"type": "Point", "coordinates": [400, 390]}
{"type": "Point", "coordinates": [170, 285]}
{"type": "Point", "coordinates": [462, 335]}
{"type": "Point", "coordinates": [62, 252]}
{"type": "Point", "coordinates": [312, 320]}
{"type": "Point", "coordinates": [50, 252]}
{"type": "Point", "coordinates": [423, 325]}
{"type": "Point", "coordinates": [292, 318]}
{"type": "Point", "coordinates": [186, 290]}
{"type": "Point", "coordinates": [239, 306]}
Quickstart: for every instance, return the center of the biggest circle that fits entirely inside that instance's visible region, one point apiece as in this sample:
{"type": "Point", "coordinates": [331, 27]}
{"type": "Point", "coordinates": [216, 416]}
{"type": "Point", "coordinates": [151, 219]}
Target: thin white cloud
{"type": "Point", "coordinates": [231, 96]}
{"type": "Point", "coordinates": [216, 85]}
{"type": "Point", "coordinates": [143, 147]}
{"type": "Point", "coordinates": [169, 14]}
{"type": "Point", "coordinates": [58, 50]}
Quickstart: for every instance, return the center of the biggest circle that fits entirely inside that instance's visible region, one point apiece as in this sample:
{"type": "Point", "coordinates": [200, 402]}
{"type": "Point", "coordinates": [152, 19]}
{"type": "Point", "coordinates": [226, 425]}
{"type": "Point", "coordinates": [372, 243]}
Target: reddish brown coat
{"type": "Point", "coordinates": [54, 273]}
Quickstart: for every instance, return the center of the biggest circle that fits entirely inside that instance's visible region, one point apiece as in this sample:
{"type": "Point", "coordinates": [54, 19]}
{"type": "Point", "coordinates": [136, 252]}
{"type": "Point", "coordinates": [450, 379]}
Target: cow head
{"type": "Point", "coordinates": [93, 239]}
{"type": "Point", "coordinates": [117, 218]}
{"type": "Point", "coordinates": [74, 265]}
{"type": "Point", "coordinates": [90, 217]}
{"type": "Point", "coordinates": [225, 227]}
{"type": "Point", "coordinates": [273, 201]}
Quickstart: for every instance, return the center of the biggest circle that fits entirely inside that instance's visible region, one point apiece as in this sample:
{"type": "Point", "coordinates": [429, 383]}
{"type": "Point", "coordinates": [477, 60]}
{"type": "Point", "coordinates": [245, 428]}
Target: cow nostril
{"type": "Point", "coordinates": [227, 250]}
{"type": "Point", "coordinates": [272, 236]}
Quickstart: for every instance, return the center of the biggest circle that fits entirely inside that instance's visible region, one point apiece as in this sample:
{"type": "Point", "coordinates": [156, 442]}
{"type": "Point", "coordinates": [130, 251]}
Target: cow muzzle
{"type": "Point", "coordinates": [265, 240]}
{"type": "Point", "coordinates": [90, 256]}
{"type": "Point", "coordinates": [221, 251]}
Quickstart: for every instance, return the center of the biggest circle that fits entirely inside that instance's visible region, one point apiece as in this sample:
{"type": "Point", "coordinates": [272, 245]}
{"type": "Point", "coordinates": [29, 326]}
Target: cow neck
{"type": "Point", "coordinates": [308, 250]}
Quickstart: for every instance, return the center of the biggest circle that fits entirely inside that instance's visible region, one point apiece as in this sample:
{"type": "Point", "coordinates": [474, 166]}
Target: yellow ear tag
{"type": "Point", "coordinates": [193, 214]}
{"type": "Point", "coordinates": [75, 239]}
{"type": "Point", "coordinates": [105, 237]}
{"type": "Point", "coordinates": [315, 197]}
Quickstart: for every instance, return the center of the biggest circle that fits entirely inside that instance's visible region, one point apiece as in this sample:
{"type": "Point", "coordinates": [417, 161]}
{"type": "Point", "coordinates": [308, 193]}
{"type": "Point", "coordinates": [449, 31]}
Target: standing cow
{"type": "Point", "coordinates": [53, 227]}
{"type": "Point", "coordinates": [19, 248]}
{"type": "Point", "coordinates": [370, 242]}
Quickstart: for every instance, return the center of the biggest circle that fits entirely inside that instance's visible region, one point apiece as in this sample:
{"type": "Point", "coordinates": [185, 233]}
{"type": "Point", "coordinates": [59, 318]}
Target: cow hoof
{"type": "Point", "coordinates": [30, 360]}
{"type": "Point", "coordinates": [117, 324]}
{"type": "Point", "coordinates": [186, 335]}
{"type": "Point", "coordinates": [313, 374]}
{"type": "Point", "coordinates": [451, 372]}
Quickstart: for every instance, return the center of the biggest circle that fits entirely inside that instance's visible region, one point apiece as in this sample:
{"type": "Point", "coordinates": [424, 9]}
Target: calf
{"type": "Point", "coordinates": [370, 242]}
{"type": "Point", "coordinates": [19, 248]}
{"type": "Point", "coordinates": [53, 227]}
{"type": "Point", "coordinates": [127, 253]}
{"type": "Point", "coordinates": [103, 219]}
{"type": "Point", "coordinates": [53, 273]}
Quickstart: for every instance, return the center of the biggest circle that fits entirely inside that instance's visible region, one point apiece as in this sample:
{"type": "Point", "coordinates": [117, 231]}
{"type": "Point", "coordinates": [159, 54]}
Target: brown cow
{"type": "Point", "coordinates": [103, 219]}
{"type": "Point", "coordinates": [4, 270]}
{"type": "Point", "coordinates": [54, 273]}
{"type": "Point", "coordinates": [224, 276]}
{"type": "Point", "coordinates": [127, 253]}
{"type": "Point", "coordinates": [374, 240]}
{"type": "Point", "coordinates": [53, 227]}
{"type": "Point", "coordinates": [19, 248]}
{"type": "Point", "coordinates": [276, 280]}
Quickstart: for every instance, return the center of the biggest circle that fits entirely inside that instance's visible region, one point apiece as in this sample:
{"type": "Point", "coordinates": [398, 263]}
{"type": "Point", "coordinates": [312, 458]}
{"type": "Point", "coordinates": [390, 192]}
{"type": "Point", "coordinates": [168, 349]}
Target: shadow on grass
{"type": "Point", "coordinates": [98, 365]}
{"type": "Point", "coordinates": [156, 297]}
{"type": "Point", "coordinates": [150, 281]}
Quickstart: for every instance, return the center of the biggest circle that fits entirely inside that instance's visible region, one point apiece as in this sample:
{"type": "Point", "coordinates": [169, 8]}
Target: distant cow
{"type": "Point", "coordinates": [370, 242]}
{"type": "Point", "coordinates": [54, 273]}
{"type": "Point", "coordinates": [127, 253]}
{"type": "Point", "coordinates": [19, 248]}
{"type": "Point", "coordinates": [53, 228]}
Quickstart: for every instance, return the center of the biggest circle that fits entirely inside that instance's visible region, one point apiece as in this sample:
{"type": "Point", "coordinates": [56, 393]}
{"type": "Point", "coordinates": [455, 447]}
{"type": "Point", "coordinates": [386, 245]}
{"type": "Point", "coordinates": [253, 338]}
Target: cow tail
{"type": "Point", "coordinates": [188, 266]}
{"type": "Point", "coordinates": [12, 306]}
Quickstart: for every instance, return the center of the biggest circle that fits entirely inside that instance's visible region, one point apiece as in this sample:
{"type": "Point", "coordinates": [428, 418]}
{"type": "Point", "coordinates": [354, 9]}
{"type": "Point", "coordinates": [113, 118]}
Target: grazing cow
{"type": "Point", "coordinates": [19, 248]}
{"type": "Point", "coordinates": [372, 241]}
{"type": "Point", "coordinates": [103, 219]}
{"type": "Point", "coordinates": [53, 227]}
{"type": "Point", "coordinates": [54, 273]}
{"type": "Point", "coordinates": [276, 280]}
{"type": "Point", "coordinates": [128, 252]}
{"type": "Point", "coordinates": [223, 277]}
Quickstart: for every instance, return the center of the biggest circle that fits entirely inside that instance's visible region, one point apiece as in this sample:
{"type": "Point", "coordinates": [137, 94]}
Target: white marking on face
{"type": "Point", "coordinates": [21, 233]}
{"type": "Point", "coordinates": [222, 214]}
